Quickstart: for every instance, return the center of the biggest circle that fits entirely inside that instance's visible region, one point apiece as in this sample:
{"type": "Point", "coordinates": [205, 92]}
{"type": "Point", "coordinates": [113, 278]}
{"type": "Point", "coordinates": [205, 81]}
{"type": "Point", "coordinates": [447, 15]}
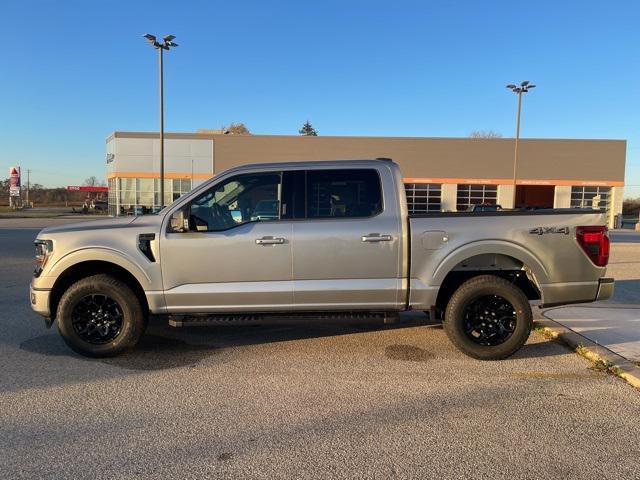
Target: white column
{"type": "Point", "coordinates": [117, 188]}
{"type": "Point", "coordinates": [616, 198]}
{"type": "Point", "coordinates": [449, 197]}
{"type": "Point", "coordinates": [562, 197]}
{"type": "Point", "coordinates": [505, 196]}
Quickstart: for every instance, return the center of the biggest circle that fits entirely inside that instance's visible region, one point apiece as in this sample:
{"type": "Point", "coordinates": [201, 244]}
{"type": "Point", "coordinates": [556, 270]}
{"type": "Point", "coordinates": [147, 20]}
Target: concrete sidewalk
{"type": "Point", "coordinates": [616, 327]}
{"type": "Point", "coordinates": [615, 323]}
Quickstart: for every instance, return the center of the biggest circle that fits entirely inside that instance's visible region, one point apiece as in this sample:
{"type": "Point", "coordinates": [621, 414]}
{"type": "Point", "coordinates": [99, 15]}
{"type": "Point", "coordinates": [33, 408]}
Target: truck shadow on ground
{"type": "Point", "coordinates": [164, 347]}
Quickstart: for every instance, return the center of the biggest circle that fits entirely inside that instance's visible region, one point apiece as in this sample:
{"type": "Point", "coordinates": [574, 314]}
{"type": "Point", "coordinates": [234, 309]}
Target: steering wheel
{"type": "Point", "coordinates": [222, 216]}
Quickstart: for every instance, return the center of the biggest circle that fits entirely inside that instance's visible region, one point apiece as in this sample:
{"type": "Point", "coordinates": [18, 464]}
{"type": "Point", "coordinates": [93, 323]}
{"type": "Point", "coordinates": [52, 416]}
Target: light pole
{"type": "Point", "coordinates": [519, 90]}
{"type": "Point", "coordinates": [166, 44]}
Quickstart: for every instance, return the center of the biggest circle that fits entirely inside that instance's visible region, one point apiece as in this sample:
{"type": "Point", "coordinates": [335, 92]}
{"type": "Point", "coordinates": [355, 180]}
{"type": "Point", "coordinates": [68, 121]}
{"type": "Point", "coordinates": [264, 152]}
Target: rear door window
{"type": "Point", "coordinates": [344, 193]}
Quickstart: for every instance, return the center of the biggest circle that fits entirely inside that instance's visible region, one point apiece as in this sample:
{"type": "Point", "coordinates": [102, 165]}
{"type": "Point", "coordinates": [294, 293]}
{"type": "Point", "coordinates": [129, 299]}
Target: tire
{"type": "Point", "coordinates": [498, 314]}
{"type": "Point", "coordinates": [100, 316]}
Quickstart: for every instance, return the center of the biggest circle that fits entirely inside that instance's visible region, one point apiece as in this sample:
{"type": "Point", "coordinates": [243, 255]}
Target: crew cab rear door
{"type": "Point", "coordinates": [347, 245]}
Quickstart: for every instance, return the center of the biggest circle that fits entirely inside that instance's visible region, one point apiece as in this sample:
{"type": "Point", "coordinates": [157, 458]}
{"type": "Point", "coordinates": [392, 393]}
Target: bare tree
{"type": "Point", "coordinates": [91, 181]}
{"type": "Point", "coordinates": [238, 128]}
{"type": "Point", "coordinates": [485, 134]}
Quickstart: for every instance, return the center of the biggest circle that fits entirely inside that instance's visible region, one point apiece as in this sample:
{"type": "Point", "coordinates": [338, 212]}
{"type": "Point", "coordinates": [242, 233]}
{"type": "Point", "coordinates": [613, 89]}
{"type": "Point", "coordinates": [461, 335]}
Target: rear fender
{"type": "Point", "coordinates": [510, 249]}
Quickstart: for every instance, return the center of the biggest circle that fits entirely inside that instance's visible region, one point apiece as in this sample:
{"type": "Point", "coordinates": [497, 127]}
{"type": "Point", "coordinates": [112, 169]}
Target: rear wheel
{"type": "Point", "coordinates": [100, 316]}
{"type": "Point", "coordinates": [488, 318]}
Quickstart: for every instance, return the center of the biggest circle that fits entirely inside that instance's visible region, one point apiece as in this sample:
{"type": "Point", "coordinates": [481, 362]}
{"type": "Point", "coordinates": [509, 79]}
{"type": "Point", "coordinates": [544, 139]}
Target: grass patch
{"type": "Point", "coordinates": [601, 365]}
{"type": "Point", "coordinates": [544, 331]}
{"type": "Point", "coordinates": [538, 328]}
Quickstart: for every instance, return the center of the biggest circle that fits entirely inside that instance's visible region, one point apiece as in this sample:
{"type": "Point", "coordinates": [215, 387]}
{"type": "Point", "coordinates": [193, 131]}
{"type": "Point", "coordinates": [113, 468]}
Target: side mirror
{"type": "Point", "coordinates": [179, 222]}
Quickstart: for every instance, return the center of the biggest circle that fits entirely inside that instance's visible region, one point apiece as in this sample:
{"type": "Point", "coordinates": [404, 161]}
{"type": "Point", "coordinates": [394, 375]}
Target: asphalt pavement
{"type": "Point", "coordinates": [310, 401]}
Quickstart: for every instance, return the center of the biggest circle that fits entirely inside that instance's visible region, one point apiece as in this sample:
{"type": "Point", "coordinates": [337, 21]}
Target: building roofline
{"type": "Point", "coordinates": [205, 136]}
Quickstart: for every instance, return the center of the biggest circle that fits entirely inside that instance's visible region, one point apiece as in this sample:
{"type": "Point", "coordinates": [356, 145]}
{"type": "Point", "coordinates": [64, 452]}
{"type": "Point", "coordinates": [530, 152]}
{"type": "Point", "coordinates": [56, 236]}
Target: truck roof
{"type": "Point", "coordinates": [306, 164]}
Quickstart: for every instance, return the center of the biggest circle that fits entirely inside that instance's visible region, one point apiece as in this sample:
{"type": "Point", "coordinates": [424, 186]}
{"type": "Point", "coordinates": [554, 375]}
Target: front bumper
{"type": "Point", "coordinates": [39, 300]}
{"type": "Point", "coordinates": [605, 289]}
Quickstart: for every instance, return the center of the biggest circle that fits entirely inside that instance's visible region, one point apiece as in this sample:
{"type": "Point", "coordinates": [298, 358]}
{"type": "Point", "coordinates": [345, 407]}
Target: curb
{"type": "Point", "coordinates": [614, 363]}
{"type": "Point", "coordinates": [600, 304]}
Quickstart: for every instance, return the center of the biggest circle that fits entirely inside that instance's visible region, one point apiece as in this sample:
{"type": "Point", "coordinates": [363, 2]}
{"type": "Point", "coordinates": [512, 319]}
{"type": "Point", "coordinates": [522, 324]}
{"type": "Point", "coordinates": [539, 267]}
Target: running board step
{"type": "Point", "coordinates": [203, 320]}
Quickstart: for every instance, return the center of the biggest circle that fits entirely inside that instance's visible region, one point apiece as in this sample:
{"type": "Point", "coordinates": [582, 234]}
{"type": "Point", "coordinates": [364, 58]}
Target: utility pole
{"type": "Point", "coordinates": [28, 176]}
{"type": "Point", "coordinates": [166, 44]}
{"type": "Point", "coordinates": [518, 90]}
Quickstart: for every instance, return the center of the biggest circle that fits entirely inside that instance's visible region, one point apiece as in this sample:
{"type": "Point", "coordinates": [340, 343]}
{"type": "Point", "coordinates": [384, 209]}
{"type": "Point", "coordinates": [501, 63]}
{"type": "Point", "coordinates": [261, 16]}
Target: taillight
{"type": "Point", "coordinates": [595, 243]}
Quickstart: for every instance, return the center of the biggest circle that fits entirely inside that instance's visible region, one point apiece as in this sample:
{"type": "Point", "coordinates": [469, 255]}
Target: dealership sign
{"type": "Point", "coordinates": [14, 181]}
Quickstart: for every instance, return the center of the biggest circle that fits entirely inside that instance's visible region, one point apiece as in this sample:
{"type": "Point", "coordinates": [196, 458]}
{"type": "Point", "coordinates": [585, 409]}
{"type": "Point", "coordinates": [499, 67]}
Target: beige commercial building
{"type": "Point", "coordinates": [441, 174]}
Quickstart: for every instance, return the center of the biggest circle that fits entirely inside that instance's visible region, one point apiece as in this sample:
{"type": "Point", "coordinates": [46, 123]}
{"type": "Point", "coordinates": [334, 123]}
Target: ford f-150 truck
{"type": "Point", "coordinates": [336, 242]}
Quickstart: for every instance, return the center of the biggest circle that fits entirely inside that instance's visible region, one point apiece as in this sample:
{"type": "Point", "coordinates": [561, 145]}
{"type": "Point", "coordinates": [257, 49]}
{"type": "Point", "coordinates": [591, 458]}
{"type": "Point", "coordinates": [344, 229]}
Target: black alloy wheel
{"type": "Point", "coordinates": [489, 320]}
{"type": "Point", "coordinates": [97, 319]}
{"type": "Point", "coordinates": [101, 316]}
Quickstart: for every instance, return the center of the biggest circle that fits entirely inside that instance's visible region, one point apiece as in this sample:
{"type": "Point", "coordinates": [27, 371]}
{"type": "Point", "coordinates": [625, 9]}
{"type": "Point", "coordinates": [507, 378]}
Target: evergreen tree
{"type": "Point", "coordinates": [308, 130]}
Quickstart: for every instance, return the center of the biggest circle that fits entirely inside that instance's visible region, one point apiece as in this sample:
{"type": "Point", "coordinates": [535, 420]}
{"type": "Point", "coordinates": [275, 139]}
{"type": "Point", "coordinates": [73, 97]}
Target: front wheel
{"type": "Point", "coordinates": [488, 318]}
{"type": "Point", "coordinates": [100, 316]}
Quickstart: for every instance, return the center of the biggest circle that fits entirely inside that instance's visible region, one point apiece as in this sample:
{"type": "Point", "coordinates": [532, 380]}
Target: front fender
{"type": "Point", "coordinates": [96, 254]}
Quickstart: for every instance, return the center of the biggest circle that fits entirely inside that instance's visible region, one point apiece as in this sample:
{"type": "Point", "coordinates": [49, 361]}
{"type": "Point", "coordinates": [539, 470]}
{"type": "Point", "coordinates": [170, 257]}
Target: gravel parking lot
{"type": "Point", "coordinates": [312, 401]}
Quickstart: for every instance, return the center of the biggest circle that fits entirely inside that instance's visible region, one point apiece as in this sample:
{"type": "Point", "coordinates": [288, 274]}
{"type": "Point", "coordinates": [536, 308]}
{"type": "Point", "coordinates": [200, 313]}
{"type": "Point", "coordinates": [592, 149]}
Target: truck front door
{"type": "Point", "coordinates": [235, 253]}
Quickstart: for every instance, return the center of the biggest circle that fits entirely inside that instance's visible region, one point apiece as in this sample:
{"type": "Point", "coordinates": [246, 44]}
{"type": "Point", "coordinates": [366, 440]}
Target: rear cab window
{"type": "Point", "coordinates": [339, 193]}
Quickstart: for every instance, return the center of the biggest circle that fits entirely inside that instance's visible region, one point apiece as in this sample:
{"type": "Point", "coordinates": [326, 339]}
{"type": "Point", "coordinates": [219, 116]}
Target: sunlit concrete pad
{"type": "Point", "coordinates": [616, 328]}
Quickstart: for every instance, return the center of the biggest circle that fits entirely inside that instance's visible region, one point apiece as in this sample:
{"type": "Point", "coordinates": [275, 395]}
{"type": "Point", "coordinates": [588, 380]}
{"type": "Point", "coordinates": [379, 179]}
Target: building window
{"type": "Point", "coordinates": [144, 192]}
{"type": "Point", "coordinates": [138, 196]}
{"type": "Point", "coordinates": [423, 197]}
{"type": "Point", "coordinates": [469, 195]}
{"type": "Point", "coordinates": [168, 195]}
{"type": "Point", "coordinates": [180, 187]}
{"type": "Point", "coordinates": [113, 193]}
{"type": "Point", "coordinates": [127, 194]}
{"type": "Point", "coordinates": [583, 197]}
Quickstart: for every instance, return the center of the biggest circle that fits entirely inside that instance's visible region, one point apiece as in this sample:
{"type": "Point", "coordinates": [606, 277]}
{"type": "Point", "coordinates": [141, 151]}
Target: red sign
{"type": "Point", "coordinates": [14, 181]}
{"type": "Point", "coordinates": [87, 188]}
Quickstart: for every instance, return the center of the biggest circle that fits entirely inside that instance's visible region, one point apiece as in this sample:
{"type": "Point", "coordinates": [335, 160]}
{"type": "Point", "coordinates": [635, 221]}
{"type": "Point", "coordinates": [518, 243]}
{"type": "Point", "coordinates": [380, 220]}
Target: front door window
{"type": "Point", "coordinates": [241, 199]}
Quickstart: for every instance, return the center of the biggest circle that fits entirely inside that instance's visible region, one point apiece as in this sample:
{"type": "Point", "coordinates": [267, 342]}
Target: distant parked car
{"type": "Point", "coordinates": [100, 206]}
{"type": "Point", "coordinates": [484, 207]}
{"type": "Point", "coordinates": [92, 206]}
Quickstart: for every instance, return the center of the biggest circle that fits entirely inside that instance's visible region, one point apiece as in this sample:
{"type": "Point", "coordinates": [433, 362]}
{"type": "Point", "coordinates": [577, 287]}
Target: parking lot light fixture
{"type": "Point", "coordinates": [524, 87]}
{"type": "Point", "coordinates": [166, 44]}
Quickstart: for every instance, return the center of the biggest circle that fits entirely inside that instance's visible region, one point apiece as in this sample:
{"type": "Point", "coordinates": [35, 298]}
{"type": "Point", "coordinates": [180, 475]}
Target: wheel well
{"type": "Point", "coordinates": [503, 266]}
{"type": "Point", "coordinates": [94, 267]}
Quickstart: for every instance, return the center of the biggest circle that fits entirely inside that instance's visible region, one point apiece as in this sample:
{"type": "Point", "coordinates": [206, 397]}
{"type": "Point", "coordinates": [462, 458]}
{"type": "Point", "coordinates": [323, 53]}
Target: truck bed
{"type": "Point", "coordinates": [542, 243]}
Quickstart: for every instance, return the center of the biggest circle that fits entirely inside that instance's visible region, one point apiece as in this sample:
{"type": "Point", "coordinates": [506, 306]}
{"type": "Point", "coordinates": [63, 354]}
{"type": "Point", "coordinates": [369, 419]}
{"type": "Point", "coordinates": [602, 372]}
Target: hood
{"type": "Point", "coordinates": [106, 224]}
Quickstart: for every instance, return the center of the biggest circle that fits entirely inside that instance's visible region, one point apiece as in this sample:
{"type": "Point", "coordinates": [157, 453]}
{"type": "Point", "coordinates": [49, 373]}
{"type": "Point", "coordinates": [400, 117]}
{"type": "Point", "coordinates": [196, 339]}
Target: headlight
{"type": "Point", "coordinates": [44, 249]}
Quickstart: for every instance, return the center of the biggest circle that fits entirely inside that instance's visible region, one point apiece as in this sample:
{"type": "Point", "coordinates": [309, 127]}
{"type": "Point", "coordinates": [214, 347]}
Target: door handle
{"type": "Point", "coordinates": [376, 237]}
{"type": "Point", "coordinates": [270, 241]}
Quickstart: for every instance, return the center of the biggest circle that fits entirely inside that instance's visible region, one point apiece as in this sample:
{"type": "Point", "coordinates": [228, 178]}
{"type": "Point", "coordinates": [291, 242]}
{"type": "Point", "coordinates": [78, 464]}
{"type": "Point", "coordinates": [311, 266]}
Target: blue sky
{"type": "Point", "coordinates": [71, 72]}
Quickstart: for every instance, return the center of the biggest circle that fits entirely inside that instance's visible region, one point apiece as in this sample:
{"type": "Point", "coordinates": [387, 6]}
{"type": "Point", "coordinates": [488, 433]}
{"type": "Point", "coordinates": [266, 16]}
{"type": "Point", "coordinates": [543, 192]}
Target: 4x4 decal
{"type": "Point", "coordinates": [543, 230]}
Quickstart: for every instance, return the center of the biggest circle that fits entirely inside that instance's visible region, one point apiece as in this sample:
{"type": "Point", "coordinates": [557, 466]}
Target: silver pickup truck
{"type": "Point", "coordinates": [316, 240]}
